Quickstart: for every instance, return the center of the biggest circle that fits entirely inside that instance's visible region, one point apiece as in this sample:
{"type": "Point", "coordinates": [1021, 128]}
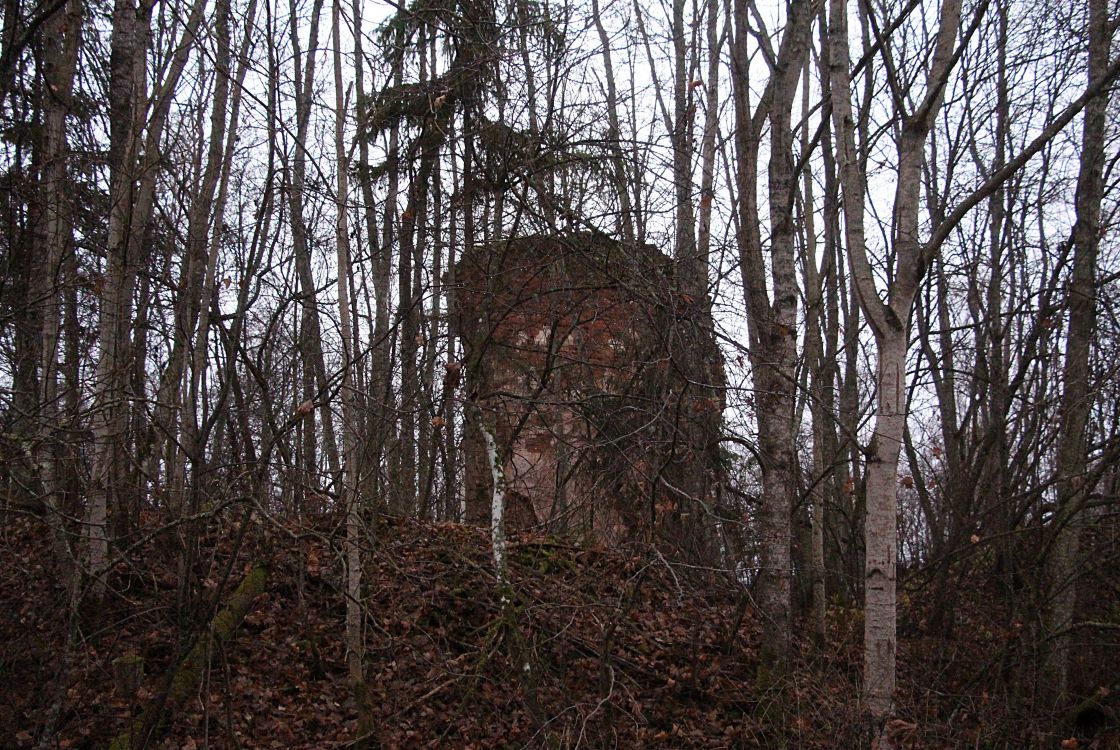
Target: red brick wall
{"type": "Point", "coordinates": [585, 360]}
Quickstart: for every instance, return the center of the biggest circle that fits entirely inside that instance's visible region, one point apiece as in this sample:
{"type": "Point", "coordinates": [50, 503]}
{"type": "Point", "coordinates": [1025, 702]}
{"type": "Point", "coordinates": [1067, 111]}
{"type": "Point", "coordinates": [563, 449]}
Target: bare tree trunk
{"type": "Point", "coordinates": [839, 404]}
{"type": "Point", "coordinates": [127, 100]}
{"type": "Point", "coordinates": [405, 478]}
{"type": "Point", "coordinates": [391, 329]}
{"type": "Point", "coordinates": [614, 132]}
{"type": "Point", "coordinates": [205, 254]}
{"type": "Point", "coordinates": [771, 323]}
{"type": "Point", "coordinates": [890, 322]}
{"type": "Point", "coordinates": [422, 359]}
{"type": "Point", "coordinates": [139, 254]}
{"type": "Point", "coordinates": [170, 408]}
{"type": "Point", "coordinates": [714, 43]}
{"type": "Point", "coordinates": [496, 462]}
{"type": "Point", "coordinates": [1077, 399]}
{"type": "Point", "coordinates": [996, 466]}
{"type": "Point", "coordinates": [430, 426]}
{"type": "Point", "coordinates": [452, 367]}
{"type": "Point", "coordinates": [541, 182]}
{"type": "Point", "coordinates": [379, 377]}
{"type": "Point", "coordinates": [817, 367]}
{"type": "Point", "coordinates": [349, 495]}
{"type": "Point", "coordinates": [208, 233]}
{"type": "Point", "coordinates": [311, 342]}
{"type": "Point", "coordinates": [62, 39]}
{"type": "Point", "coordinates": [131, 198]}
{"type": "Point", "coordinates": [681, 135]}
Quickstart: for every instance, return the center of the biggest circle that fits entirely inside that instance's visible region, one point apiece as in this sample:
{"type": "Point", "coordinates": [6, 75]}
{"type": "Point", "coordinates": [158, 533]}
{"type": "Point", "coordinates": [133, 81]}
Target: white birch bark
{"type": "Point", "coordinates": [497, 498]}
{"type": "Point", "coordinates": [890, 323]}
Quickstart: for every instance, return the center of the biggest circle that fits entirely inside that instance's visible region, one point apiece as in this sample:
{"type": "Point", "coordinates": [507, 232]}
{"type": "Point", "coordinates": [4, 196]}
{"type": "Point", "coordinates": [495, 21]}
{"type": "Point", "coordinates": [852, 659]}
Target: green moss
{"type": "Point", "coordinates": [543, 558]}
{"type": "Point", "coordinates": [188, 673]}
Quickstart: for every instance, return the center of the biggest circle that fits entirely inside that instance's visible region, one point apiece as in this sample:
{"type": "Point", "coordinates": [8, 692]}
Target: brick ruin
{"type": "Point", "coordinates": [603, 385]}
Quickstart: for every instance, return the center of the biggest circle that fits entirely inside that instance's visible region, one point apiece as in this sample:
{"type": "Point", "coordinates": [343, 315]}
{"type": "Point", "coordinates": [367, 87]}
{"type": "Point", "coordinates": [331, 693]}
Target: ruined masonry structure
{"type": "Point", "coordinates": [603, 385]}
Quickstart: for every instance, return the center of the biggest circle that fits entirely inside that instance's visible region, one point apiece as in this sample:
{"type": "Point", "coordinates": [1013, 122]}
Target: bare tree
{"type": "Point", "coordinates": [350, 436]}
{"type": "Point", "coordinates": [1076, 402]}
{"type": "Point", "coordinates": [772, 316]}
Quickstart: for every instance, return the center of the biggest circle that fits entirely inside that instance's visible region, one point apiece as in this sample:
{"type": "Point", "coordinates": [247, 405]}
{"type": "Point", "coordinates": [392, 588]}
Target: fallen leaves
{"type": "Point", "coordinates": [606, 635]}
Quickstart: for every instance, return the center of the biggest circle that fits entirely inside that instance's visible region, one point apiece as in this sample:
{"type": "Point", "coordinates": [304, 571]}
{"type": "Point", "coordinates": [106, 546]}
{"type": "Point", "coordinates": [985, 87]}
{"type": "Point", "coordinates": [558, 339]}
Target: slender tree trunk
{"type": "Point", "coordinates": [817, 367]}
{"type": "Point", "coordinates": [350, 499]}
{"type": "Point", "coordinates": [771, 322]}
{"type": "Point", "coordinates": [127, 103]}
{"type": "Point", "coordinates": [311, 336]}
{"type": "Point", "coordinates": [62, 42]}
{"type": "Point", "coordinates": [890, 323]}
{"type": "Point", "coordinates": [684, 249]}
{"type": "Point", "coordinates": [390, 229]}
{"type": "Point", "coordinates": [499, 489]}
{"type": "Point", "coordinates": [838, 415]}
{"type": "Point", "coordinates": [714, 43]}
{"type": "Point", "coordinates": [139, 255]}
{"type": "Point", "coordinates": [1077, 399]}
{"type": "Point", "coordinates": [205, 253]}
{"type": "Point", "coordinates": [541, 182]}
{"type": "Point", "coordinates": [452, 368]}
{"type": "Point", "coordinates": [614, 132]}
{"type": "Point", "coordinates": [379, 375]}
{"type": "Point", "coordinates": [409, 327]}
{"type": "Point", "coordinates": [349, 495]}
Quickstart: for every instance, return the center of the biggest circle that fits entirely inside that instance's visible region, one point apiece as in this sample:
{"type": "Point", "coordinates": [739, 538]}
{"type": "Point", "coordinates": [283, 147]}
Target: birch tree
{"type": "Point", "coordinates": [889, 322]}
{"type": "Point", "coordinates": [888, 311]}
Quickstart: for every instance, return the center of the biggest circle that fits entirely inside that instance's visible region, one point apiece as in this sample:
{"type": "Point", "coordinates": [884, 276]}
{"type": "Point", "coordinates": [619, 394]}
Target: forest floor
{"type": "Point", "coordinates": [595, 649]}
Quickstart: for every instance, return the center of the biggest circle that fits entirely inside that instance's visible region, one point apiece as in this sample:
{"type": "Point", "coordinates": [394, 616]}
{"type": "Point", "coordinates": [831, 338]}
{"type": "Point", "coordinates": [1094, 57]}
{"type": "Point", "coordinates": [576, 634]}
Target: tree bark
{"type": "Point", "coordinates": [614, 131]}
{"type": "Point", "coordinates": [127, 105]}
{"type": "Point", "coordinates": [771, 321]}
{"type": "Point", "coordinates": [1077, 395]}
{"type": "Point", "coordinates": [349, 496]}
{"type": "Point", "coordinates": [188, 673]}
{"type": "Point", "coordinates": [311, 335]}
{"type": "Point", "coordinates": [62, 43]}
{"type": "Point", "coordinates": [890, 323]}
